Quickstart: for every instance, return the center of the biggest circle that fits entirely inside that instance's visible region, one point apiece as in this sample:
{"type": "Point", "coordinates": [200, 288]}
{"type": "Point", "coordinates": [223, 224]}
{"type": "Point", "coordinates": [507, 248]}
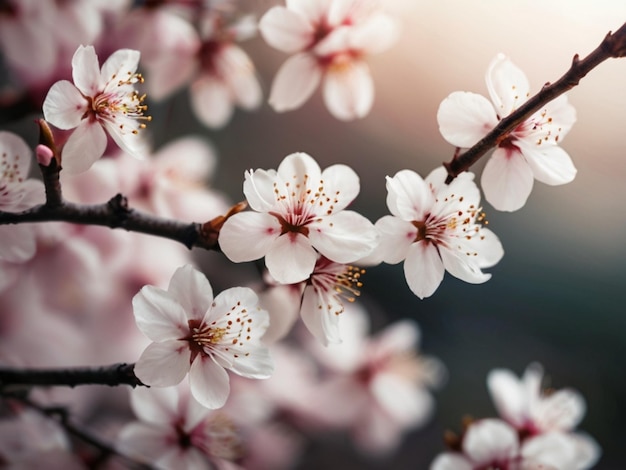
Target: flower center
{"type": "Point", "coordinates": [202, 336]}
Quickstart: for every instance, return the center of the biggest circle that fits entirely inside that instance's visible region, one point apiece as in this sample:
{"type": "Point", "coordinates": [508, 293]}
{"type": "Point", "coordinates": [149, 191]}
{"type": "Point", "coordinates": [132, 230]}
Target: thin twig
{"type": "Point", "coordinates": [112, 375]}
{"type": "Point", "coordinates": [613, 46]}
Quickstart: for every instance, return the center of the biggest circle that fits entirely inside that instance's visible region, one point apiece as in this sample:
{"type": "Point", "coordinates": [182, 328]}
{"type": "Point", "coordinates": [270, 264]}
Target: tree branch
{"type": "Point", "coordinates": [613, 46]}
{"type": "Point", "coordinates": [116, 374]}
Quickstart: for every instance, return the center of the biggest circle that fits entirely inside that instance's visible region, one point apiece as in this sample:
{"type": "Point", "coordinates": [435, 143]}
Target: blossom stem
{"type": "Point", "coordinates": [613, 46]}
{"type": "Point", "coordinates": [112, 375]}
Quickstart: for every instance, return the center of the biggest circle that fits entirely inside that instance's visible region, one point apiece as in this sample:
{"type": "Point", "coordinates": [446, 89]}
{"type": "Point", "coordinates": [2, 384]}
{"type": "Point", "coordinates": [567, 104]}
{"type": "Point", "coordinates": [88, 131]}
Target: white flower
{"type": "Point", "coordinates": [522, 403]}
{"type": "Point", "coordinates": [330, 40]}
{"type": "Point", "coordinates": [192, 332]}
{"type": "Point", "coordinates": [99, 100]}
{"type": "Point", "coordinates": [175, 431]}
{"type": "Point", "coordinates": [298, 214]}
{"type": "Point", "coordinates": [528, 152]}
{"type": "Point", "coordinates": [436, 227]}
{"type": "Point", "coordinates": [17, 193]}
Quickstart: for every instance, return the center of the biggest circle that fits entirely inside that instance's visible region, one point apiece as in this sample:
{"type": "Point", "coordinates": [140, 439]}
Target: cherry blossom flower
{"type": "Point", "coordinates": [331, 40]}
{"type": "Point", "coordinates": [528, 152]}
{"type": "Point", "coordinates": [17, 193]}
{"type": "Point", "coordinates": [101, 99]}
{"type": "Point", "coordinates": [522, 404]}
{"type": "Point", "coordinates": [436, 227]}
{"type": "Point", "coordinates": [192, 332]}
{"type": "Point", "coordinates": [298, 213]}
{"type": "Point", "coordinates": [175, 431]}
{"type": "Point", "coordinates": [377, 387]}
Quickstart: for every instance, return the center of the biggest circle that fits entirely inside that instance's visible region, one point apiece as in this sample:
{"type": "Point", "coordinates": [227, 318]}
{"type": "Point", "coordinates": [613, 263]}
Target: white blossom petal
{"type": "Point", "coordinates": [451, 461]}
{"type": "Point", "coordinates": [396, 237]}
{"type": "Point", "coordinates": [120, 65]}
{"type": "Point", "coordinates": [423, 269]}
{"type": "Point", "coordinates": [258, 187]}
{"type": "Point", "coordinates": [562, 410]}
{"type": "Point", "coordinates": [349, 90]}
{"type": "Point", "coordinates": [163, 364]}
{"type": "Point", "coordinates": [159, 315]}
{"type": "Point", "coordinates": [143, 441]}
{"type": "Point", "coordinates": [258, 364]}
{"type": "Point", "coordinates": [211, 101]}
{"type": "Point", "coordinates": [507, 84]}
{"type": "Point", "coordinates": [295, 82]}
{"type": "Point", "coordinates": [247, 236]}
{"type": "Point", "coordinates": [155, 405]}
{"type": "Point", "coordinates": [321, 320]}
{"type": "Point", "coordinates": [192, 291]}
{"type": "Point", "coordinates": [464, 118]}
{"type": "Point", "coordinates": [286, 30]}
{"type": "Point", "coordinates": [64, 106]}
{"type": "Point", "coordinates": [461, 264]}
{"type": "Point", "coordinates": [86, 71]}
{"type": "Point", "coordinates": [490, 440]}
{"type": "Point", "coordinates": [209, 382]}
{"type": "Point", "coordinates": [507, 180]}
{"type": "Point", "coordinates": [341, 182]}
{"type": "Point", "coordinates": [408, 196]}
{"type": "Point", "coordinates": [508, 396]}
{"type": "Point", "coordinates": [86, 145]}
{"type": "Point", "coordinates": [291, 258]}
{"type": "Point", "coordinates": [550, 164]}
{"type": "Point", "coordinates": [18, 243]}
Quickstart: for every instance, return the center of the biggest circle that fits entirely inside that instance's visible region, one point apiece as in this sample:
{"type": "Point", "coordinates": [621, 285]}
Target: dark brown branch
{"type": "Point", "coordinates": [116, 374]}
{"type": "Point", "coordinates": [613, 46]}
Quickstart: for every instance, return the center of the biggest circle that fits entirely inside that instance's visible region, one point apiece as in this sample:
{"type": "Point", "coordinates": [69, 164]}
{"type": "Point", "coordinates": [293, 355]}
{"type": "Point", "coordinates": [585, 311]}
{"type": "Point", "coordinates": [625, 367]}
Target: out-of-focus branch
{"type": "Point", "coordinates": [116, 374]}
{"type": "Point", "coordinates": [613, 46]}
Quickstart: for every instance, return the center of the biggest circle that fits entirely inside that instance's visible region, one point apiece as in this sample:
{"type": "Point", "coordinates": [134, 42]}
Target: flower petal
{"type": "Point", "coordinates": [562, 410]}
{"type": "Point", "coordinates": [423, 269]}
{"type": "Point", "coordinates": [211, 101]}
{"type": "Point", "coordinates": [86, 71]}
{"type": "Point", "coordinates": [155, 405]}
{"type": "Point", "coordinates": [163, 364]}
{"type": "Point", "coordinates": [508, 396]}
{"type": "Point", "coordinates": [342, 183]}
{"type": "Point", "coordinates": [451, 461]}
{"type": "Point", "coordinates": [295, 82]}
{"type": "Point", "coordinates": [375, 35]}
{"type": "Point", "coordinates": [408, 196]}
{"type": "Point", "coordinates": [18, 243]}
{"type": "Point", "coordinates": [349, 90]}
{"type": "Point", "coordinates": [238, 72]}
{"type": "Point", "coordinates": [15, 158]}
{"type": "Point", "coordinates": [396, 237]}
{"type": "Point", "coordinates": [247, 236]}
{"type": "Point", "coordinates": [320, 318]}
{"type": "Point", "coordinates": [120, 66]}
{"type": "Point", "coordinates": [86, 145]}
{"type": "Point", "coordinates": [64, 106]}
{"type": "Point", "coordinates": [209, 382]}
{"type": "Point", "coordinates": [550, 164]}
{"type": "Point", "coordinates": [343, 237]}
{"type": "Point", "coordinates": [142, 441]}
{"type": "Point", "coordinates": [507, 180]}
{"type": "Point", "coordinates": [507, 84]}
{"type": "Point", "coordinates": [256, 364]}
{"type": "Point", "coordinates": [291, 258]}
{"type": "Point", "coordinates": [286, 30]}
{"type": "Point", "coordinates": [159, 315]}
{"type": "Point", "coordinates": [462, 264]}
{"type": "Point", "coordinates": [464, 118]}
{"type": "Point", "coordinates": [258, 187]}
{"type": "Point", "coordinates": [192, 290]}
{"type": "Point", "coordinates": [490, 440]}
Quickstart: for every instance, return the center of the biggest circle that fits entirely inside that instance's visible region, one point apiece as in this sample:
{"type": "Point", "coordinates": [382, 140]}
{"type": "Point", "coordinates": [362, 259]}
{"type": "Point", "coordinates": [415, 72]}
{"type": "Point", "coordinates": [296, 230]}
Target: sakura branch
{"type": "Point", "coordinates": [613, 46]}
{"type": "Point", "coordinates": [113, 375]}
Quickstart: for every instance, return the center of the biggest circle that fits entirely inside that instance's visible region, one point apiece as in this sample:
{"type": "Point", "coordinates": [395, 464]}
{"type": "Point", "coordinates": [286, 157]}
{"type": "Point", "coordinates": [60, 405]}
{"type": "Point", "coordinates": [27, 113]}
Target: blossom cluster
{"type": "Point", "coordinates": [297, 329]}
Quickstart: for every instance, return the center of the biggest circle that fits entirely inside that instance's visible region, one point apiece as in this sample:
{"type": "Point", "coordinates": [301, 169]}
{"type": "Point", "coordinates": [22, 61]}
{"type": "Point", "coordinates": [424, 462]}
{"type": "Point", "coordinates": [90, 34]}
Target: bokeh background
{"type": "Point", "coordinates": [557, 297]}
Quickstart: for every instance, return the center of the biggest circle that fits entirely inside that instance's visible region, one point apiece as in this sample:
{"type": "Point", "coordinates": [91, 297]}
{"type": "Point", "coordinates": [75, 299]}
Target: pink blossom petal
{"type": "Point", "coordinates": [408, 196]}
{"type": "Point", "coordinates": [86, 71]}
{"type": "Point", "coordinates": [295, 82]}
{"type": "Point", "coordinates": [286, 30]}
{"type": "Point", "coordinates": [423, 269]}
{"type": "Point", "coordinates": [192, 291]}
{"type": "Point", "coordinates": [27, 44]}
{"type": "Point", "coordinates": [507, 84]}
{"type": "Point", "coordinates": [462, 264]}
{"type": "Point", "coordinates": [321, 323]}
{"type": "Point", "coordinates": [396, 237]}
{"type": "Point", "coordinates": [211, 101]}
{"type": "Point", "coordinates": [258, 187]}
{"type": "Point", "coordinates": [159, 315]}
{"type": "Point", "coordinates": [450, 461]}
{"type": "Point", "coordinates": [507, 180]}
{"type": "Point", "coordinates": [86, 145]}
{"type": "Point", "coordinates": [155, 405]}
{"type": "Point", "coordinates": [18, 243]}
{"type": "Point", "coordinates": [343, 237]}
{"type": "Point", "coordinates": [349, 90]}
{"type": "Point", "coordinates": [120, 66]}
{"type": "Point", "coordinates": [508, 396]}
{"type": "Point", "coordinates": [209, 382]}
{"type": "Point", "coordinates": [237, 70]}
{"type": "Point", "coordinates": [490, 440]}
{"type": "Point", "coordinates": [248, 236]}
{"type": "Point", "coordinates": [163, 364]}
{"type": "Point", "coordinates": [143, 441]}
{"type": "Point", "coordinates": [562, 410]}
{"type": "Point", "coordinates": [15, 158]}
{"type": "Point", "coordinates": [341, 182]}
{"type": "Point", "coordinates": [32, 193]}
{"type": "Point", "coordinates": [64, 106]}
{"type": "Point", "coordinates": [464, 118]}
{"type": "Point", "coordinates": [291, 258]}
{"type": "Point", "coordinates": [554, 449]}
{"type": "Point", "coordinates": [406, 403]}
{"type": "Point", "coordinates": [550, 164]}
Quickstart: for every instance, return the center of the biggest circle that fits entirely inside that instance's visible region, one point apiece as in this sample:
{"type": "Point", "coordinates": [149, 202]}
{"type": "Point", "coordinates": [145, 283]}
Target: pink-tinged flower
{"type": "Point", "coordinates": [17, 193]}
{"type": "Point", "coordinates": [101, 101]}
{"type": "Point", "coordinates": [196, 334]}
{"type": "Point", "coordinates": [528, 152]}
{"type": "Point", "coordinates": [330, 41]}
{"type": "Point", "coordinates": [378, 387]}
{"type": "Point", "coordinates": [298, 214]}
{"type": "Point", "coordinates": [436, 228]}
{"type": "Point", "coordinates": [175, 431]}
{"type": "Point", "coordinates": [522, 403]}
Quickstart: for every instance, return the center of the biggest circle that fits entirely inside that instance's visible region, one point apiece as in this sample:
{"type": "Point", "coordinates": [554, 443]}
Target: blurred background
{"type": "Point", "coordinates": [557, 297]}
